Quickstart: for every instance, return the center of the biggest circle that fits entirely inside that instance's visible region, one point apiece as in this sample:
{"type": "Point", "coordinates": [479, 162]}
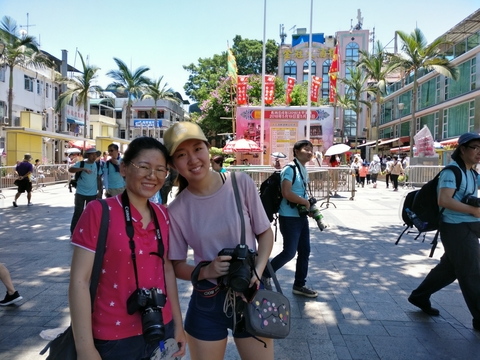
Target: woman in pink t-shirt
{"type": "Point", "coordinates": [133, 262]}
{"type": "Point", "coordinates": [204, 217]}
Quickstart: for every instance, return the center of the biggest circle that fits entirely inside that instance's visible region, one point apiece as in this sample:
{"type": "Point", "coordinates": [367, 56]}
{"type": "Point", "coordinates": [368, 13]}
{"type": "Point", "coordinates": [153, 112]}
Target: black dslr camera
{"type": "Point", "coordinates": [150, 303]}
{"type": "Point", "coordinates": [471, 200]}
{"type": "Point", "coordinates": [241, 267]}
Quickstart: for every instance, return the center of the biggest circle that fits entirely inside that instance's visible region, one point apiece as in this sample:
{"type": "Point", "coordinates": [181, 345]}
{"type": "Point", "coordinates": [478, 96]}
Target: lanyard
{"type": "Point", "coordinates": [130, 233]}
{"type": "Point", "coordinates": [303, 179]}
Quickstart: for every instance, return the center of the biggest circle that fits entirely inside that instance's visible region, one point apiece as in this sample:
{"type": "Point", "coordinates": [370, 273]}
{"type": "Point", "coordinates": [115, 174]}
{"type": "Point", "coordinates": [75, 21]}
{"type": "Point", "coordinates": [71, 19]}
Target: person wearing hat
{"type": "Point", "coordinates": [89, 183]}
{"type": "Point", "coordinates": [459, 231]}
{"type": "Point", "coordinates": [217, 164]}
{"type": "Point", "coordinates": [192, 225]}
{"type": "Point", "coordinates": [24, 172]}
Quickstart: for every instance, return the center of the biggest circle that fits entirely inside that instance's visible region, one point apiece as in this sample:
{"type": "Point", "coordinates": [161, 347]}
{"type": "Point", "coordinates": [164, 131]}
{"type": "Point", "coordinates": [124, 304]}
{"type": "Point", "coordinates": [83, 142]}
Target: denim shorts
{"type": "Point", "coordinates": [205, 319]}
{"type": "Point", "coordinates": [134, 348]}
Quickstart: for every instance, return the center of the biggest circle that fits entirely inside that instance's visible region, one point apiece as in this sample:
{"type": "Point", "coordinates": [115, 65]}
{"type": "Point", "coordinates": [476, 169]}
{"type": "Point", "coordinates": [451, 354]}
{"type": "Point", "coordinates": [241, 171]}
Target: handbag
{"type": "Point", "coordinates": [268, 314]}
{"type": "Point", "coordinates": [63, 346]}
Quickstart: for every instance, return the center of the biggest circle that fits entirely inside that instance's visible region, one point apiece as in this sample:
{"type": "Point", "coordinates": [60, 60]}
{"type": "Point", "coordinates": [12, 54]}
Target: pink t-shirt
{"type": "Point", "coordinates": [211, 223]}
{"type": "Point", "coordinates": [110, 320]}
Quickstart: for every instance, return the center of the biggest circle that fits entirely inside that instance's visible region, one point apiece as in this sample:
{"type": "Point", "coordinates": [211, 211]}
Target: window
{"type": "Point", "coordinates": [290, 70]}
{"type": "Point", "coordinates": [466, 80]}
{"type": "Point", "coordinates": [350, 123]}
{"type": "Point", "coordinates": [3, 70]}
{"type": "Point", "coordinates": [428, 93]}
{"type": "Point", "coordinates": [46, 91]}
{"type": "Point", "coordinates": [326, 79]}
{"type": "Point", "coordinates": [351, 54]}
{"type": "Point", "coordinates": [56, 93]}
{"type": "Point", "coordinates": [28, 83]}
{"type": "Point", "coordinates": [305, 70]}
{"type": "Point", "coordinates": [39, 87]}
{"type": "Point", "coordinates": [405, 128]}
{"type": "Point", "coordinates": [458, 119]}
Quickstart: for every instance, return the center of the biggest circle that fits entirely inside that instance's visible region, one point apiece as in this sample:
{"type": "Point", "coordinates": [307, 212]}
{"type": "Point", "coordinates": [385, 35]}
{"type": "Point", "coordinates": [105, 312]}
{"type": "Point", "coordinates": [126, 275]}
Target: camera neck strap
{"type": "Point", "coordinates": [131, 232]}
{"type": "Point", "coordinates": [238, 201]}
{"type": "Point", "coordinates": [305, 184]}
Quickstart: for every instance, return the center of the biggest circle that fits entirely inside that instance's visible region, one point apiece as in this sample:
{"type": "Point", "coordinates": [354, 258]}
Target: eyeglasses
{"type": "Point", "coordinates": [475, 148]}
{"type": "Point", "coordinates": [147, 171]}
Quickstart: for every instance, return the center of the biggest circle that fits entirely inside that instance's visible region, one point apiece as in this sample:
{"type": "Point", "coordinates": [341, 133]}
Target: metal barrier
{"type": "Point", "coordinates": [325, 182]}
{"type": "Point", "coordinates": [417, 175]}
{"type": "Point", "coordinates": [42, 175]}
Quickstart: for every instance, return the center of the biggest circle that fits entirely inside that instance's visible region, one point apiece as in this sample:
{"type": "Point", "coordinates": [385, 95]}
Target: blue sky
{"type": "Point", "coordinates": [164, 35]}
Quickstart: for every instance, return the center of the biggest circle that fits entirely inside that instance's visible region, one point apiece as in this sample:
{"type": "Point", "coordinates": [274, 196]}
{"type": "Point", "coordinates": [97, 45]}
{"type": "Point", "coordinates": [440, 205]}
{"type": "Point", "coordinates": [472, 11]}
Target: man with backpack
{"type": "Point", "coordinates": [112, 179]}
{"type": "Point", "coordinates": [89, 184]}
{"type": "Point", "coordinates": [459, 230]}
{"type": "Point", "coordinates": [293, 226]}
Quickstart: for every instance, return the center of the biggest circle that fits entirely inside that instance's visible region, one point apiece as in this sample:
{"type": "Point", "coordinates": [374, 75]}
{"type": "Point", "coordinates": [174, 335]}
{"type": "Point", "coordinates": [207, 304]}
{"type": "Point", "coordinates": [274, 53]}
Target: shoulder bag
{"type": "Point", "coordinates": [268, 314]}
{"type": "Point", "coordinates": [63, 346]}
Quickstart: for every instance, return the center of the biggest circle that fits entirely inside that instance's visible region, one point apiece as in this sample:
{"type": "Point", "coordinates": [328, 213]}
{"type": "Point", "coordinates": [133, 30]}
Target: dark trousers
{"type": "Point", "coordinates": [296, 238]}
{"type": "Point", "coordinates": [394, 180]}
{"type": "Point", "coordinates": [387, 178]}
{"type": "Point", "coordinates": [373, 177]}
{"type": "Point", "coordinates": [80, 202]}
{"type": "Point", "coordinates": [460, 261]}
{"type": "Point", "coordinates": [362, 181]}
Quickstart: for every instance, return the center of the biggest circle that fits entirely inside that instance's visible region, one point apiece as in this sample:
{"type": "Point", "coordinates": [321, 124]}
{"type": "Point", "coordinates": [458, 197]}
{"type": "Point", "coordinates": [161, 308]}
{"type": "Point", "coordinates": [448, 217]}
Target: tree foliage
{"type": "Point", "coordinates": [206, 75]}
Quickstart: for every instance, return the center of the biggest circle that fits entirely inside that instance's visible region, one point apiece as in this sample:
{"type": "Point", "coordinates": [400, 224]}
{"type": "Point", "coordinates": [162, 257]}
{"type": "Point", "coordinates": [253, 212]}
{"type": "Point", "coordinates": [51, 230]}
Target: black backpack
{"type": "Point", "coordinates": [271, 193]}
{"type": "Point", "coordinates": [420, 208]}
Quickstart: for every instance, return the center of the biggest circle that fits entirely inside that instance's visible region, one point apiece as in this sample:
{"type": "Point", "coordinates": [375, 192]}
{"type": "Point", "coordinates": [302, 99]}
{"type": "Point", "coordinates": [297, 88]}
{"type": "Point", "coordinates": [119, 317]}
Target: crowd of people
{"type": "Point", "coordinates": [148, 243]}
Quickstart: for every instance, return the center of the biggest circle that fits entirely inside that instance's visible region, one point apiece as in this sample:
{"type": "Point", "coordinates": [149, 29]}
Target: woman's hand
{"type": "Point", "coordinates": [218, 267]}
{"type": "Point", "coordinates": [88, 354]}
{"type": "Point", "coordinates": [181, 340]}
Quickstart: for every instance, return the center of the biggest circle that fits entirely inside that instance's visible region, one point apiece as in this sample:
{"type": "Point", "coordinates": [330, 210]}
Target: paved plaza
{"type": "Point", "coordinates": [363, 281]}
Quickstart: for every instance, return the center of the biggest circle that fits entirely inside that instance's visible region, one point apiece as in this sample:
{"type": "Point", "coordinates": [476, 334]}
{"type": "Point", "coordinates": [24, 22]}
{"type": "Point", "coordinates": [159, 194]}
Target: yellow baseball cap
{"type": "Point", "coordinates": [180, 132]}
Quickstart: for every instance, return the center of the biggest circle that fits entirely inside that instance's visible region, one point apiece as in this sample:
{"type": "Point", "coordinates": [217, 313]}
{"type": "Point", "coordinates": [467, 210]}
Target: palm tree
{"type": "Point", "coordinates": [418, 54]}
{"type": "Point", "coordinates": [156, 91]}
{"type": "Point", "coordinates": [355, 87]}
{"type": "Point", "coordinates": [378, 66]}
{"type": "Point", "coordinates": [81, 86]}
{"type": "Point", "coordinates": [20, 50]}
{"type": "Point", "coordinates": [130, 83]}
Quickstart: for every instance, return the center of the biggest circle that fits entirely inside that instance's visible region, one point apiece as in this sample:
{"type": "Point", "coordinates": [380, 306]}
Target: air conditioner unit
{"type": "Point", "coordinates": [5, 120]}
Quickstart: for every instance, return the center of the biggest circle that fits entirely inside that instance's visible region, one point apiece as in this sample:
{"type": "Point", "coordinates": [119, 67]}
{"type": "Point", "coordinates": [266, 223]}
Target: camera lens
{"type": "Point", "coordinates": [152, 325]}
{"type": "Point", "coordinates": [239, 276]}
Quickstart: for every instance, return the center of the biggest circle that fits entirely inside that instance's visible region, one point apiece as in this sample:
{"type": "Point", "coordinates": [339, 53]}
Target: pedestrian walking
{"type": "Point", "coordinates": [459, 231]}
{"type": "Point", "coordinates": [12, 295]}
{"type": "Point", "coordinates": [294, 226]}
{"type": "Point", "coordinates": [24, 170]}
{"type": "Point", "coordinates": [113, 180]}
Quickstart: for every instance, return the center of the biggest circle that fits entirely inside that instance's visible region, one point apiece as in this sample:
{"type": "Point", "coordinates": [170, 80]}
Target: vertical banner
{"type": "Point", "coordinates": [333, 73]}
{"type": "Point", "coordinates": [316, 83]}
{"type": "Point", "coordinates": [269, 89]}
{"type": "Point", "coordinates": [290, 84]}
{"type": "Point", "coordinates": [242, 89]}
{"type": "Point", "coordinates": [232, 66]}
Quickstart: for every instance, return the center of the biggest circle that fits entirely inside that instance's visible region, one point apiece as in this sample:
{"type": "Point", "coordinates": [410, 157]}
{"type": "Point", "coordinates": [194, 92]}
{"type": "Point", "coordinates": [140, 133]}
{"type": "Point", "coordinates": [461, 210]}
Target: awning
{"type": "Point", "coordinates": [402, 149]}
{"type": "Point", "coordinates": [367, 143]}
{"type": "Point", "coordinates": [74, 121]}
{"type": "Point", "coordinates": [449, 142]}
{"type": "Point", "coordinates": [383, 142]}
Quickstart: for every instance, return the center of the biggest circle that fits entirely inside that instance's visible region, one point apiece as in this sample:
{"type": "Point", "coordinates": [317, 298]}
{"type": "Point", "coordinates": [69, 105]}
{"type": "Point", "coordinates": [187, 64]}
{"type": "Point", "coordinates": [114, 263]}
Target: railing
{"type": "Point", "coordinates": [417, 175]}
{"type": "Point", "coordinates": [42, 175]}
{"type": "Point", "coordinates": [325, 182]}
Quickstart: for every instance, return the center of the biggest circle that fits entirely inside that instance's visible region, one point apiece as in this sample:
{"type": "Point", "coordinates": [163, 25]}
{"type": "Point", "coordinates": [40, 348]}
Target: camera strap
{"type": "Point", "coordinates": [131, 232]}
{"type": "Point", "coordinates": [305, 184]}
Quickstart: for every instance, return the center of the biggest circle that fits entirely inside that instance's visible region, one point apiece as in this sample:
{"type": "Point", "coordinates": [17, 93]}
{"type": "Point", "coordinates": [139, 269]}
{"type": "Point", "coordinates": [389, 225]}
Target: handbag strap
{"type": "Point", "coordinates": [100, 251]}
{"type": "Point", "coordinates": [242, 219]}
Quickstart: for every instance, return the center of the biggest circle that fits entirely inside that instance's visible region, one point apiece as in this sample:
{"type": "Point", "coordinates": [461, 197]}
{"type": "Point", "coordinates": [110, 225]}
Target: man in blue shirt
{"type": "Point", "coordinates": [112, 179]}
{"type": "Point", "coordinates": [459, 231]}
{"type": "Point", "coordinates": [89, 184]}
{"type": "Point", "coordinates": [293, 226]}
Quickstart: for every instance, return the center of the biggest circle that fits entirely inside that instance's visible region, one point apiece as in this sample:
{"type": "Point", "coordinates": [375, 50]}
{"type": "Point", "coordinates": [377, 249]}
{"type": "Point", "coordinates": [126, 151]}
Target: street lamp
{"type": "Point", "coordinates": [400, 107]}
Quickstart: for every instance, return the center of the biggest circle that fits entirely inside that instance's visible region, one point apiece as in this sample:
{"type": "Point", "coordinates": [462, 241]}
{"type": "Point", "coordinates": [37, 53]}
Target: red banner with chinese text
{"type": "Point", "coordinates": [290, 84]}
{"type": "Point", "coordinates": [316, 83]}
{"type": "Point", "coordinates": [269, 88]}
{"type": "Point", "coordinates": [242, 82]}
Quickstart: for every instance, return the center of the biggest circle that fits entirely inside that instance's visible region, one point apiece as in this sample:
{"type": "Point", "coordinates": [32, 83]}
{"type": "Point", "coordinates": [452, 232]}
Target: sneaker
{"type": "Point", "coordinates": [15, 204]}
{"type": "Point", "coordinates": [11, 299]}
{"type": "Point", "coordinates": [29, 204]}
{"type": "Point", "coordinates": [425, 306]}
{"type": "Point", "coordinates": [305, 291]}
{"type": "Point", "coordinates": [267, 283]}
